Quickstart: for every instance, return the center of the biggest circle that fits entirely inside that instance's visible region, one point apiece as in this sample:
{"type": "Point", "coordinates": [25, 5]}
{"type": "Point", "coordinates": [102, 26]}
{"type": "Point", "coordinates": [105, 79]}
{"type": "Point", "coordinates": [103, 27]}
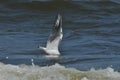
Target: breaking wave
{"type": "Point", "coordinates": [54, 72]}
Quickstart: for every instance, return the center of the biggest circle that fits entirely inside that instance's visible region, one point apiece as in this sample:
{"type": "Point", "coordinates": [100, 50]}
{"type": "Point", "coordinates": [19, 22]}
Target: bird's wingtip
{"type": "Point", "coordinates": [59, 16]}
{"type": "Point", "coordinates": [59, 20]}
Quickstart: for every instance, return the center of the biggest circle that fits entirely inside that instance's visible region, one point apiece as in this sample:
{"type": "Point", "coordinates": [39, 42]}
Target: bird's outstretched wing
{"type": "Point", "coordinates": [56, 35]}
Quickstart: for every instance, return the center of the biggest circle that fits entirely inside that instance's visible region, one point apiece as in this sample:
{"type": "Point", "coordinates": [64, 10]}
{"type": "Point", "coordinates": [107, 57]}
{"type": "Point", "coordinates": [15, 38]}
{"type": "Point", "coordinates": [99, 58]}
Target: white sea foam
{"type": "Point", "coordinates": [55, 72]}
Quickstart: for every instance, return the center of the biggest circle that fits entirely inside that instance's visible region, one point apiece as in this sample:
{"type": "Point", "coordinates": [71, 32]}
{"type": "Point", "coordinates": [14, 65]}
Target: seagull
{"type": "Point", "coordinates": [54, 38]}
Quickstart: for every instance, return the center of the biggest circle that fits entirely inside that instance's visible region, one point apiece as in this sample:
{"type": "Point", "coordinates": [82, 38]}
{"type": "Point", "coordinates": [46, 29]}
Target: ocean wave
{"type": "Point", "coordinates": [95, 6]}
{"type": "Point", "coordinates": [54, 72]}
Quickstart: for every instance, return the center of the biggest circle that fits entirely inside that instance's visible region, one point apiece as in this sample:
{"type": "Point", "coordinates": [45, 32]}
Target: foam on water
{"type": "Point", "coordinates": [55, 72]}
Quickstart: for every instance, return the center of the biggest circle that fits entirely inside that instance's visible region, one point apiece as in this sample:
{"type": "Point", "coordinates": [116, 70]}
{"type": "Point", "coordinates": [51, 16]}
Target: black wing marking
{"type": "Point", "coordinates": [56, 31]}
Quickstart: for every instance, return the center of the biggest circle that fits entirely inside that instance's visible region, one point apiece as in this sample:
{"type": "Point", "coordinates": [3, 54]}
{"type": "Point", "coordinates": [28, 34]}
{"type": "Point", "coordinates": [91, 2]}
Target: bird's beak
{"type": "Point", "coordinates": [37, 46]}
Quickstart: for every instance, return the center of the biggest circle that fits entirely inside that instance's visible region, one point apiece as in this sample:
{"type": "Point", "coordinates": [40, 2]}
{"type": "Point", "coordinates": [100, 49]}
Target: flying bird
{"type": "Point", "coordinates": [52, 46]}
